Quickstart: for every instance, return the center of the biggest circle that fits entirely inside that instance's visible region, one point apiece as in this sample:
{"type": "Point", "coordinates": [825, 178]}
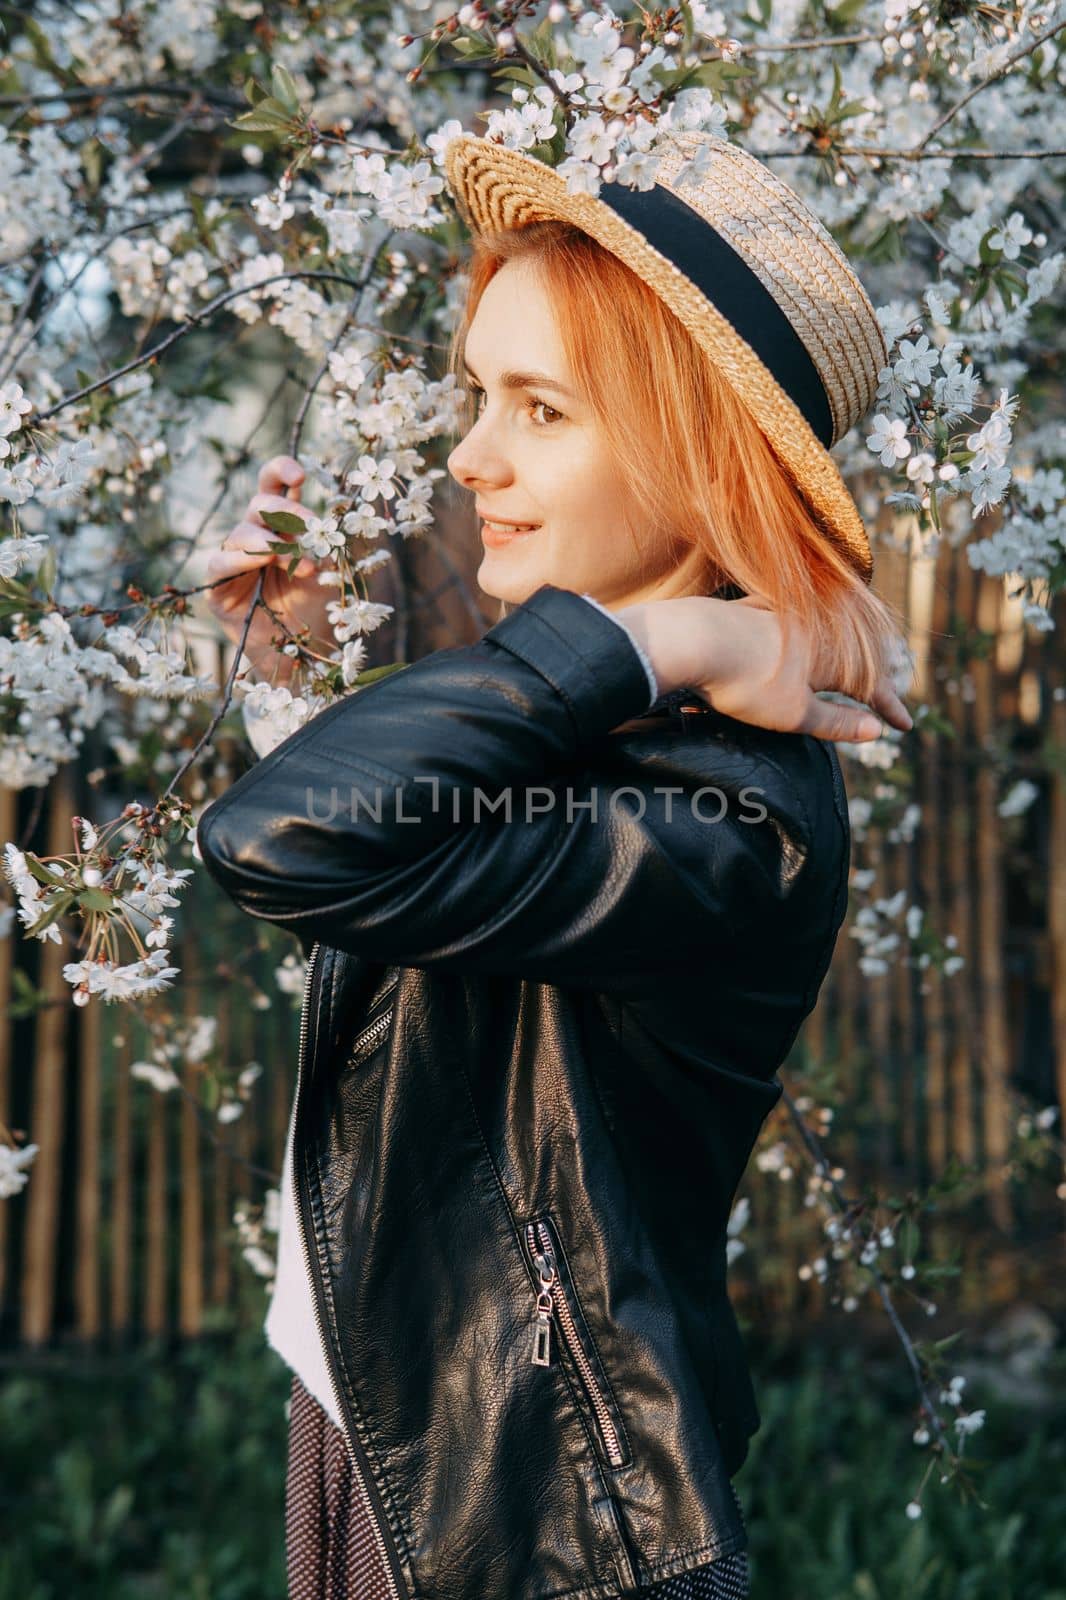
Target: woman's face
{"type": "Point", "coordinates": [536, 455]}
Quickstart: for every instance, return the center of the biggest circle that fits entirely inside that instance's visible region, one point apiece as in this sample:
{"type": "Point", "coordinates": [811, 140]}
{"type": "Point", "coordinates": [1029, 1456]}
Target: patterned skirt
{"type": "Point", "coordinates": [329, 1543]}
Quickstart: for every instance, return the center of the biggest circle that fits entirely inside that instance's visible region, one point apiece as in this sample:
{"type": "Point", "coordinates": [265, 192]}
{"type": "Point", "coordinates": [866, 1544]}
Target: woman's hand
{"type": "Point", "coordinates": [737, 655]}
{"type": "Point", "coordinates": [299, 601]}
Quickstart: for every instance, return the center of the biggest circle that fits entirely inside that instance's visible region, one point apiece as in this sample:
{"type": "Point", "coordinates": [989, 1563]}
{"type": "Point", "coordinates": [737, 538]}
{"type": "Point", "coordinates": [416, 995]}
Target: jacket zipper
{"type": "Point", "coordinates": [373, 1029]}
{"type": "Point", "coordinates": [372, 1517]}
{"type": "Point", "coordinates": [552, 1297]}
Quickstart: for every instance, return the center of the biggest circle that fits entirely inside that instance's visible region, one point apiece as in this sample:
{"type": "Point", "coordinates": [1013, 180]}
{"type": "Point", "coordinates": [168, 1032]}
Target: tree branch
{"type": "Point", "coordinates": [1026, 50]}
{"type": "Point", "coordinates": [128, 91]}
{"type": "Point", "coordinates": [822, 1167]}
{"type": "Point", "coordinates": [184, 328]}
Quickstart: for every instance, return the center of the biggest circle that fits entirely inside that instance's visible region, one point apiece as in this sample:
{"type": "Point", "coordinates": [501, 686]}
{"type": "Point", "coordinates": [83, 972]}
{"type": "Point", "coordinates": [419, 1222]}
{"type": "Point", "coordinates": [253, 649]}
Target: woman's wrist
{"type": "Point", "coordinates": [686, 639]}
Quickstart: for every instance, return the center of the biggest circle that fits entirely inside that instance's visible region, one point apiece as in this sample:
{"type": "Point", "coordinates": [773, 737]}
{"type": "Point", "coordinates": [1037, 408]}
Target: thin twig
{"type": "Point", "coordinates": [127, 91]}
{"type": "Point", "coordinates": [188, 326]}
{"type": "Point", "coordinates": [1026, 50]}
{"type": "Point", "coordinates": [822, 1167]}
{"type": "Point", "coordinates": [952, 153]}
{"type": "Point", "coordinates": [813, 44]}
{"type": "Point", "coordinates": [227, 693]}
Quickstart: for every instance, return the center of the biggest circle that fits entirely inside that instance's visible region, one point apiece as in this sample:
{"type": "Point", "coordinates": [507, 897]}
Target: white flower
{"type": "Point", "coordinates": [347, 367]}
{"type": "Point", "coordinates": [990, 443]}
{"type": "Point", "coordinates": [1011, 236]}
{"type": "Point", "coordinates": [921, 468]}
{"type": "Point", "coordinates": [987, 488]}
{"type": "Point", "coordinates": [249, 1074]}
{"type": "Point", "coordinates": [437, 142]}
{"type": "Point", "coordinates": [161, 1078]}
{"type": "Point", "coordinates": [358, 616]}
{"type": "Point", "coordinates": [374, 478]}
{"type": "Point", "coordinates": [13, 407]}
{"type": "Point", "coordinates": [916, 361]}
{"type": "Point", "coordinates": [272, 211]}
{"type": "Point", "coordinates": [12, 1162]}
{"type": "Point", "coordinates": [1018, 799]}
{"type": "Point", "coordinates": [889, 439]}
{"type": "Point", "coordinates": [353, 660]}
{"type": "Point", "coordinates": [16, 552]}
{"type": "Point", "coordinates": [320, 538]}
{"type": "Point", "coordinates": [971, 1422]}
{"type": "Point", "coordinates": [582, 177]}
{"type": "Point", "coordinates": [914, 1510]}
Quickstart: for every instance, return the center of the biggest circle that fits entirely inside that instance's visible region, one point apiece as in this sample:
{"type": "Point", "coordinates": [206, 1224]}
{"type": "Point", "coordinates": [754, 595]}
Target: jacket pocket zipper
{"type": "Point", "coordinates": [364, 1494]}
{"type": "Point", "coordinates": [551, 1299]}
{"type": "Point", "coordinates": [365, 1041]}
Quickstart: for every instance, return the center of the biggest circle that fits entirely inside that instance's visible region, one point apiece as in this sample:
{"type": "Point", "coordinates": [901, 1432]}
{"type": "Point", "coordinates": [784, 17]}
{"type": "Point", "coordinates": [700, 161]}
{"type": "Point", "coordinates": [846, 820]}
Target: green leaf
{"type": "Point", "coordinates": [57, 909]}
{"type": "Point", "coordinates": [988, 255]}
{"type": "Point", "coordinates": [284, 86]}
{"type": "Point", "coordinates": [371, 674]}
{"type": "Point", "coordinates": [42, 50]}
{"type": "Point", "coordinates": [46, 572]}
{"type": "Point", "coordinates": [524, 75]}
{"type": "Point", "coordinates": [39, 871]}
{"type": "Point", "coordinates": [472, 47]}
{"type": "Point", "coordinates": [95, 900]}
{"type": "Point", "coordinates": [264, 119]}
{"type": "Point", "coordinates": [284, 522]}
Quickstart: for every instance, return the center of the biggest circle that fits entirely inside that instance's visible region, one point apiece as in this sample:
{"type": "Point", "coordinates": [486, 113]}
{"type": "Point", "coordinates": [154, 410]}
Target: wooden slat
{"type": "Point", "coordinates": [9, 948]}
{"type": "Point", "coordinates": [121, 1209]}
{"type": "Point", "coordinates": [191, 1246]}
{"type": "Point", "coordinates": [993, 1054]}
{"type": "Point", "coordinates": [955, 822]}
{"type": "Point", "coordinates": [1056, 898]}
{"type": "Point", "coordinates": [156, 1230]}
{"type": "Point", "coordinates": [48, 1114]}
{"type": "Point", "coordinates": [222, 1278]}
{"type": "Point", "coordinates": [87, 1297]}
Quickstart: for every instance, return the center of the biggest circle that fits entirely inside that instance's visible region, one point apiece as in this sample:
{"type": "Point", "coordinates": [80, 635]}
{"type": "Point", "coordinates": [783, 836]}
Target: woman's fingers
{"type": "Point", "coordinates": [275, 502]}
{"type": "Point", "coordinates": [231, 563]}
{"type": "Point", "coordinates": [828, 719]}
{"type": "Point", "coordinates": [281, 474]}
{"type": "Point", "coordinates": [887, 703]}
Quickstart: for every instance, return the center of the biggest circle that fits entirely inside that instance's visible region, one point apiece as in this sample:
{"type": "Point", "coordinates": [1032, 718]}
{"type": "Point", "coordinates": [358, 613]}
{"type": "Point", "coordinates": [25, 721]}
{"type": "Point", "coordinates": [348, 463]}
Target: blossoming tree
{"type": "Point", "coordinates": [309, 201]}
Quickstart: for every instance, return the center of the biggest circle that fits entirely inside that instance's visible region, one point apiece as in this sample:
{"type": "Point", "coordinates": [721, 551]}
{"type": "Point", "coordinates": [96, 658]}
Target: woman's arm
{"type": "Point", "coordinates": [462, 814]}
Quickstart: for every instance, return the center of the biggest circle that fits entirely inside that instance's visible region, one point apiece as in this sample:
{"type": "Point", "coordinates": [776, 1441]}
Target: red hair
{"type": "Point", "coordinates": [697, 467]}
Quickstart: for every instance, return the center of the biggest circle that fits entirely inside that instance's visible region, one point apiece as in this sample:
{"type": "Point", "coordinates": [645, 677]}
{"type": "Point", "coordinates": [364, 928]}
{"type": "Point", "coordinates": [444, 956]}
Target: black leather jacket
{"type": "Point", "coordinates": [514, 1176]}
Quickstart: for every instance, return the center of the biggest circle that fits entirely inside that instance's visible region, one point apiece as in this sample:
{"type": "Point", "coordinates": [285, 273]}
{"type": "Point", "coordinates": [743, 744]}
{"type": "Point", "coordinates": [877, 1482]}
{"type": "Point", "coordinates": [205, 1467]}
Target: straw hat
{"type": "Point", "coordinates": [742, 262]}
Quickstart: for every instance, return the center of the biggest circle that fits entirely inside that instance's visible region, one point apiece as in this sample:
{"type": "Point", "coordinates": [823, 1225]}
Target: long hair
{"type": "Point", "coordinates": [698, 470]}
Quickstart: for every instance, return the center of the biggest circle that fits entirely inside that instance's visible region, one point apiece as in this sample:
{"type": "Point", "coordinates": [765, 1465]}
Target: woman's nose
{"type": "Point", "coordinates": [474, 460]}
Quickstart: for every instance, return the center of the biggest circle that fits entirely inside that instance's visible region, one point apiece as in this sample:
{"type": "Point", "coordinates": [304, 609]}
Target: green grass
{"type": "Point", "coordinates": [162, 1474]}
{"type": "Point", "coordinates": [830, 1472]}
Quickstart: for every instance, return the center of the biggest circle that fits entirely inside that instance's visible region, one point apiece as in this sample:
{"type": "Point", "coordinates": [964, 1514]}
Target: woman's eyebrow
{"type": "Point", "coordinates": [525, 380]}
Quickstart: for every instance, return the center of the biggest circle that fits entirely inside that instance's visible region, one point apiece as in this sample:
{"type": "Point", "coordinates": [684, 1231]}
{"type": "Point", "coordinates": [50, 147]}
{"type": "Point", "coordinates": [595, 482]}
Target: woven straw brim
{"type": "Point", "coordinates": [499, 188]}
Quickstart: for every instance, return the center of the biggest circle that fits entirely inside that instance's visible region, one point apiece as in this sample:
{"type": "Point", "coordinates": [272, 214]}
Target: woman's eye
{"type": "Point", "coordinates": [531, 406]}
{"type": "Point", "coordinates": [542, 405]}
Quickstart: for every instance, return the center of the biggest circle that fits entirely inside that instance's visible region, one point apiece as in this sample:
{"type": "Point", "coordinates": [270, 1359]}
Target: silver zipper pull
{"type": "Point", "coordinates": [542, 1331]}
{"type": "Point", "coordinates": [542, 1327]}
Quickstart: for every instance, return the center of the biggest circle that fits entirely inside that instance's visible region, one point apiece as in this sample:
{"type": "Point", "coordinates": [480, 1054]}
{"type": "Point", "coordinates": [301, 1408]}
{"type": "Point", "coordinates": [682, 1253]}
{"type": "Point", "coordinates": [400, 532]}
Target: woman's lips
{"type": "Point", "coordinates": [495, 535]}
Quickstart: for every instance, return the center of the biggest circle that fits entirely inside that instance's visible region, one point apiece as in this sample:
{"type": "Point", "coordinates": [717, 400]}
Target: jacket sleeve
{"type": "Point", "coordinates": [458, 814]}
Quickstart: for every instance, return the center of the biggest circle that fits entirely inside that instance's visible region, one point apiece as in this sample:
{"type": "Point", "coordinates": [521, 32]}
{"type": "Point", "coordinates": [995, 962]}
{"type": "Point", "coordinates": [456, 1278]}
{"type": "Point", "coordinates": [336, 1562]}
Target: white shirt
{"type": "Point", "coordinates": [290, 1325]}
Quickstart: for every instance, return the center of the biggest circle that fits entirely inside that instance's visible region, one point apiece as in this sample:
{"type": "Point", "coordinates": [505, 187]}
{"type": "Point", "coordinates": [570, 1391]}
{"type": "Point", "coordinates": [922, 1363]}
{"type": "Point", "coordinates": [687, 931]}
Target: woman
{"type": "Point", "coordinates": [568, 894]}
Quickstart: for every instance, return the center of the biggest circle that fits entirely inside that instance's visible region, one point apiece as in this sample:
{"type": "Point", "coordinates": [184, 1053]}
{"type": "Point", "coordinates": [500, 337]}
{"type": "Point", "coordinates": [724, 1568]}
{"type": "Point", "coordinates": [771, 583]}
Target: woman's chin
{"type": "Point", "coordinates": [498, 576]}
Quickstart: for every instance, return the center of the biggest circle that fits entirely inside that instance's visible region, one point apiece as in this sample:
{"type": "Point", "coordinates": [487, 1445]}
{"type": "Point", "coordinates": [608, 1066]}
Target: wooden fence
{"type": "Point", "coordinates": [125, 1228]}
